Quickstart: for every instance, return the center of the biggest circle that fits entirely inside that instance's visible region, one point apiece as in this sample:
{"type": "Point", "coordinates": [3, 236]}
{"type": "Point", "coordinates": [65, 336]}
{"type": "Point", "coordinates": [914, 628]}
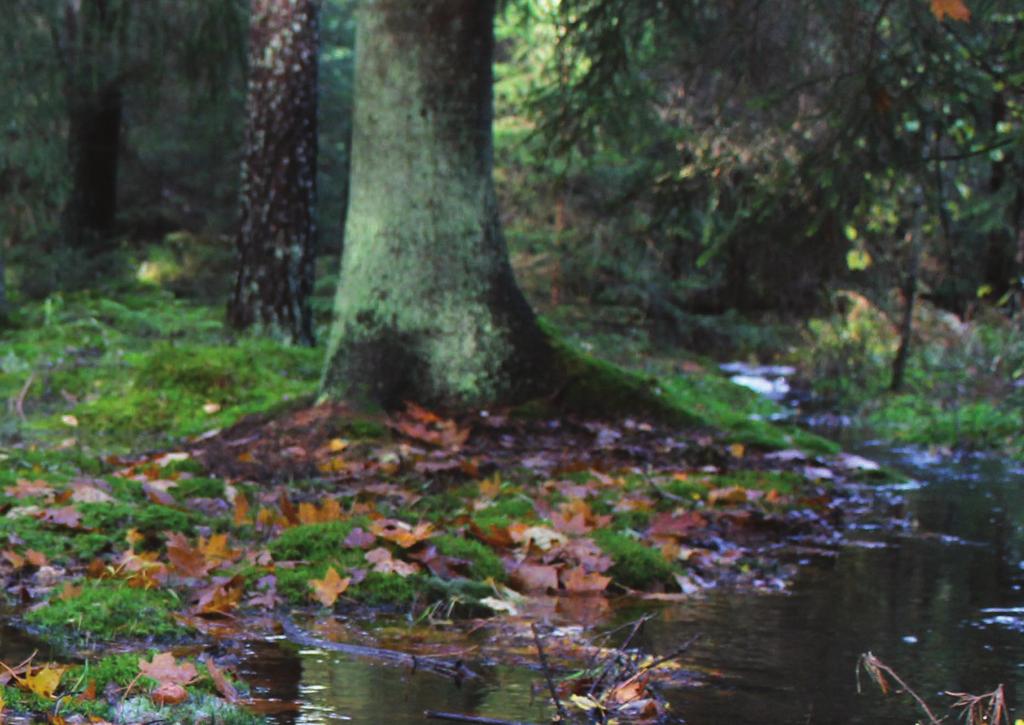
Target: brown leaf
{"type": "Point", "coordinates": [13, 558]}
{"type": "Point", "coordinates": [241, 515]}
{"type": "Point", "coordinates": [224, 687]}
{"type": "Point", "coordinates": [729, 495]}
{"type": "Point", "coordinates": [359, 539]}
{"type": "Point", "coordinates": [35, 558]}
{"type": "Point", "coordinates": [70, 591]}
{"type": "Point", "coordinates": [158, 494]}
{"type": "Point", "coordinates": [218, 599]}
{"type": "Point", "coordinates": [383, 562]}
{"type": "Point", "coordinates": [169, 693]}
{"type": "Point", "coordinates": [68, 517]}
{"type": "Point", "coordinates": [29, 489]}
{"type": "Point", "coordinates": [579, 581]}
{"type": "Point", "coordinates": [186, 560]}
{"type": "Point", "coordinates": [402, 533]}
{"type": "Point", "coordinates": [535, 577]}
{"type": "Point", "coordinates": [287, 509]}
{"type": "Point", "coordinates": [679, 525]}
{"type": "Point", "coordinates": [956, 9]}
{"type": "Point", "coordinates": [327, 590]}
{"type": "Point", "coordinates": [165, 669]}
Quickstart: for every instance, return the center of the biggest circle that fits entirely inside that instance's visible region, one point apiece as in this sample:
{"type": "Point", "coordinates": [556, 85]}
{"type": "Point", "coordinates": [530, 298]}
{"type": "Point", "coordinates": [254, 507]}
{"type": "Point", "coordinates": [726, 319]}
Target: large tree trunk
{"type": "Point", "coordinates": [427, 307]}
{"type": "Point", "coordinates": [277, 236]}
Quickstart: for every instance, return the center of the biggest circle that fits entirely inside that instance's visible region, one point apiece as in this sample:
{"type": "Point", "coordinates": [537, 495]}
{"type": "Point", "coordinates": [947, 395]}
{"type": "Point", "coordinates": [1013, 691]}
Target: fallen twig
{"type": "Point", "coordinates": [989, 708]}
{"type": "Point", "coordinates": [562, 714]}
{"type": "Point", "coordinates": [457, 670]}
{"type": "Point", "coordinates": [459, 717]}
{"type": "Point", "coordinates": [876, 670]}
{"type": "Point", "coordinates": [19, 401]}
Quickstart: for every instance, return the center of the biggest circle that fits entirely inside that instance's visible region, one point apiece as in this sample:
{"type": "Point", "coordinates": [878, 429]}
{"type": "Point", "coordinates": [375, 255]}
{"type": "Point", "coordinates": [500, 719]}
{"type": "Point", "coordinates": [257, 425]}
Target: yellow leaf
{"type": "Point", "coordinates": [327, 590]}
{"type": "Point", "coordinates": [336, 445]}
{"type": "Point", "coordinates": [585, 703]}
{"type": "Point", "coordinates": [44, 682]}
{"type": "Point", "coordinates": [737, 450]}
{"type": "Point", "coordinates": [953, 8]}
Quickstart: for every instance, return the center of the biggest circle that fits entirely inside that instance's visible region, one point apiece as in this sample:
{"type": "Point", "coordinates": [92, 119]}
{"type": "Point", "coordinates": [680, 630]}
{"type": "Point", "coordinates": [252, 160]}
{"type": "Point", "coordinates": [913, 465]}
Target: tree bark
{"type": "Point", "coordinates": [427, 306]}
{"type": "Point", "coordinates": [95, 109]}
{"type": "Point", "coordinates": [277, 236]}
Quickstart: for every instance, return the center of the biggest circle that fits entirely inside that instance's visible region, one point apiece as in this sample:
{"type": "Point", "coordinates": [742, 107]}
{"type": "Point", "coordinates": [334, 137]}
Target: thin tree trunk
{"type": "Point", "coordinates": [428, 308]}
{"type": "Point", "coordinates": [94, 136]}
{"type": "Point", "coordinates": [277, 236]}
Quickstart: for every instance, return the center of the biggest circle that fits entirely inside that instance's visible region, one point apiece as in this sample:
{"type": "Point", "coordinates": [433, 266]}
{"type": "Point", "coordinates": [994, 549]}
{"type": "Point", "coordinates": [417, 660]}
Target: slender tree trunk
{"type": "Point", "coordinates": [277, 236]}
{"type": "Point", "coordinates": [428, 308]}
{"type": "Point", "coordinates": [94, 137]}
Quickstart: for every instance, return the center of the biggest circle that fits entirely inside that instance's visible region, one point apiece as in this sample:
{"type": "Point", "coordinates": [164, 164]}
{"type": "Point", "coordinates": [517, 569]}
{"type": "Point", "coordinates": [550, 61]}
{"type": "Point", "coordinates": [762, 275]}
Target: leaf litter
{"type": "Point", "coordinates": [518, 518]}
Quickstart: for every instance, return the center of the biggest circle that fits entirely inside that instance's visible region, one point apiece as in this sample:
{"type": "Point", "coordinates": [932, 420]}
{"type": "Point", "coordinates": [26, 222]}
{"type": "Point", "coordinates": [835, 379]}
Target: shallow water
{"type": "Point", "coordinates": [931, 583]}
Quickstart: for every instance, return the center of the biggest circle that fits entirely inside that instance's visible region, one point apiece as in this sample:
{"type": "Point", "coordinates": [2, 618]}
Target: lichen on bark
{"type": "Point", "coordinates": [427, 306]}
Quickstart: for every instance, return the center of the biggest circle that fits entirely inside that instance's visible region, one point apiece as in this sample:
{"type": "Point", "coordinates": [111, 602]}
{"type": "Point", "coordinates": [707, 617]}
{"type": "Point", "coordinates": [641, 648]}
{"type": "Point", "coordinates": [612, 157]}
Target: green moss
{"type": "Point", "coordinates": [119, 669]}
{"type": "Point", "coordinates": [517, 507]}
{"type": "Point", "coordinates": [484, 563]}
{"type": "Point", "coordinates": [376, 589]}
{"type": "Point", "coordinates": [198, 488]}
{"type": "Point", "coordinates": [636, 565]}
{"type": "Point", "coordinates": [634, 520]}
{"type": "Point", "coordinates": [150, 519]}
{"type": "Point", "coordinates": [379, 589]}
{"type": "Point", "coordinates": [316, 542]}
{"type": "Point", "coordinates": [107, 610]}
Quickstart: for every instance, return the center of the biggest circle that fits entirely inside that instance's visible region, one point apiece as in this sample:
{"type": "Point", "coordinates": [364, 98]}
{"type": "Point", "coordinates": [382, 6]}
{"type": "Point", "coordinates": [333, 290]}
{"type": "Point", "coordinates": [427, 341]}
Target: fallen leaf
{"type": "Point", "coordinates": [327, 590]}
{"type": "Point", "coordinates": [165, 669]}
{"type": "Point", "coordinates": [70, 591]}
{"type": "Point", "coordinates": [185, 559]}
{"type": "Point", "coordinates": [68, 517]}
{"type": "Point", "coordinates": [43, 682]}
{"type": "Point", "coordinates": [956, 9]}
{"type": "Point", "coordinates": [16, 560]}
{"type": "Point", "coordinates": [535, 577]}
{"type": "Point", "coordinates": [728, 495]}
{"type": "Point", "coordinates": [224, 687]}
{"type": "Point", "coordinates": [211, 408]}
{"type": "Point", "coordinates": [29, 489]}
{"type": "Point", "coordinates": [579, 581]}
{"type": "Point", "coordinates": [241, 515]}
{"type": "Point", "coordinates": [35, 558]}
{"type": "Point", "coordinates": [359, 539]}
{"type": "Point", "coordinates": [158, 494]}
{"type": "Point", "coordinates": [385, 563]}
{"type": "Point", "coordinates": [402, 533]}
{"type": "Point", "coordinates": [169, 693]}
{"type": "Point", "coordinates": [69, 420]}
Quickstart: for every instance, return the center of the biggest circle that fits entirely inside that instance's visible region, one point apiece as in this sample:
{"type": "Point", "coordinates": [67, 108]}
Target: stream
{"type": "Point", "coordinates": [930, 579]}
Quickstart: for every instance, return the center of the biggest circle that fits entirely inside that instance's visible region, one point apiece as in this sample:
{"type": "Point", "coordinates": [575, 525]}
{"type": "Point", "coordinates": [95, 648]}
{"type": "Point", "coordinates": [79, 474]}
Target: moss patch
{"type": "Point", "coordinates": [484, 563]}
{"type": "Point", "coordinates": [108, 610]}
{"type": "Point", "coordinates": [636, 566]}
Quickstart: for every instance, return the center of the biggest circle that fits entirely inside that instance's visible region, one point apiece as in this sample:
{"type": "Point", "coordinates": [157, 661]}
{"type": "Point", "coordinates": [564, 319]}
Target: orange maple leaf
{"type": "Point", "coordinates": [955, 9]}
{"type": "Point", "coordinates": [327, 590]}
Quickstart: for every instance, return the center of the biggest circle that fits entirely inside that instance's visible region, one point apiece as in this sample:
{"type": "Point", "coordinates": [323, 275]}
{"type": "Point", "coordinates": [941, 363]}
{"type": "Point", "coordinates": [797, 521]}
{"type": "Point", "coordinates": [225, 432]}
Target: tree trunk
{"type": "Point", "coordinates": [94, 137]}
{"type": "Point", "coordinates": [277, 237]}
{"type": "Point", "coordinates": [427, 307]}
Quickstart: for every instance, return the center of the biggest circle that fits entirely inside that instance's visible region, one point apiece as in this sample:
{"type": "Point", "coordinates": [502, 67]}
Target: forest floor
{"type": "Point", "coordinates": [168, 492]}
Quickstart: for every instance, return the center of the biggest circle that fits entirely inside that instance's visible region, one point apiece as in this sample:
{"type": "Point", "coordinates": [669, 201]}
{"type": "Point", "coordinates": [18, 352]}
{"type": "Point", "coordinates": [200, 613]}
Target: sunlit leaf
{"type": "Point", "coordinates": [43, 682]}
{"type": "Point", "coordinates": [327, 590]}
